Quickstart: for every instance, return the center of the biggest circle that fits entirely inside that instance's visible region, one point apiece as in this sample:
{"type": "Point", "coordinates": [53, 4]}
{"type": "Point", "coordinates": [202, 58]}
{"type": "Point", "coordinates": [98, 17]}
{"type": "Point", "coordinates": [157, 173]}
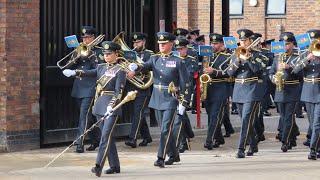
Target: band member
{"type": "Point", "coordinates": [246, 69]}
{"type": "Point", "coordinates": [217, 89]}
{"type": "Point", "coordinates": [314, 34]}
{"type": "Point", "coordinates": [194, 34]}
{"type": "Point", "coordinates": [310, 66]}
{"type": "Point", "coordinates": [83, 90]}
{"type": "Point", "coordinates": [288, 96]}
{"type": "Point", "coordinates": [182, 126]}
{"type": "Point", "coordinates": [139, 105]}
{"type": "Point", "coordinates": [167, 68]}
{"type": "Point", "coordinates": [111, 80]}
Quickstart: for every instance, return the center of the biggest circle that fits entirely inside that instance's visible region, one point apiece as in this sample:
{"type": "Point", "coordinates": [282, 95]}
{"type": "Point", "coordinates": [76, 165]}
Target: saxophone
{"type": "Point", "coordinates": [278, 77]}
{"type": "Point", "coordinates": [204, 80]}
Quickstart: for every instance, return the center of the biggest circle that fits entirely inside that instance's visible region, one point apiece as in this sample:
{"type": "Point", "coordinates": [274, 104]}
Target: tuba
{"type": "Point", "coordinates": [141, 80]}
{"type": "Point", "coordinates": [81, 51]}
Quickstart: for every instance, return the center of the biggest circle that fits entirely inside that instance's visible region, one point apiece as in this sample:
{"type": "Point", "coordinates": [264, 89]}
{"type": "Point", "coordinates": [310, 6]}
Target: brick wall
{"type": "Point", "coordinates": [19, 77]}
{"type": "Point", "coordinates": [300, 16]}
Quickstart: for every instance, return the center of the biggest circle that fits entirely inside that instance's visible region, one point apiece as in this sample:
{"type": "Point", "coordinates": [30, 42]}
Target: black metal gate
{"type": "Point", "coordinates": [59, 18]}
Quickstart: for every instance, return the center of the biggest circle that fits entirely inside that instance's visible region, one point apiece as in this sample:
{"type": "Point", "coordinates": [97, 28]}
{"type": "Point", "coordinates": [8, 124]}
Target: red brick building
{"type": "Point", "coordinates": [35, 103]}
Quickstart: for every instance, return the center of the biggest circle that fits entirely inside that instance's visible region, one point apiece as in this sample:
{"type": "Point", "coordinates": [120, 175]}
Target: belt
{"type": "Point", "coordinates": [245, 80]}
{"type": "Point", "coordinates": [311, 80]}
{"type": "Point", "coordinates": [106, 93]}
{"type": "Point", "coordinates": [219, 80]}
{"type": "Point", "coordinates": [292, 82]}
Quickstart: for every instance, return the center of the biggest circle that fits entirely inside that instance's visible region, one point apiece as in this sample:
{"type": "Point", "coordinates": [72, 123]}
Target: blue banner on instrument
{"type": "Point", "coordinates": [303, 40]}
{"type": "Point", "coordinates": [230, 42]}
{"type": "Point", "coordinates": [71, 41]}
{"type": "Point", "coordinates": [205, 50]}
{"type": "Point", "coordinates": [176, 53]}
{"type": "Point", "coordinates": [278, 47]}
{"type": "Point", "coordinates": [130, 55]}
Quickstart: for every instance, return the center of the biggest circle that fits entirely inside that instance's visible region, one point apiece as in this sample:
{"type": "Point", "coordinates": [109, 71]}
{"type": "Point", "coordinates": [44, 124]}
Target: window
{"type": "Point", "coordinates": [276, 7]}
{"type": "Point", "coordinates": [236, 7]}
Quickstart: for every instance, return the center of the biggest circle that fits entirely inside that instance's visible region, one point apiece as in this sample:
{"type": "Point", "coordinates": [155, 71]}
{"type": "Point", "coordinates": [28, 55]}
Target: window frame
{"type": "Point", "coordinates": [275, 14]}
{"type": "Point", "coordinates": [235, 15]}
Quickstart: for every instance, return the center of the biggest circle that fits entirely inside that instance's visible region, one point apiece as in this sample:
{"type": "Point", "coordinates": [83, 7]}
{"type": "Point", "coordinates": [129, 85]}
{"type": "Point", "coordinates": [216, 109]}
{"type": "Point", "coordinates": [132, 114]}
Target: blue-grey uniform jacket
{"type": "Point", "coordinates": [113, 79]}
{"type": "Point", "coordinates": [246, 73]}
{"type": "Point", "coordinates": [85, 86]}
{"type": "Point", "coordinates": [311, 81]}
{"type": "Point", "coordinates": [145, 56]}
{"type": "Point", "coordinates": [219, 87]}
{"type": "Point", "coordinates": [167, 69]}
{"type": "Point", "coordinates": [292, 82]}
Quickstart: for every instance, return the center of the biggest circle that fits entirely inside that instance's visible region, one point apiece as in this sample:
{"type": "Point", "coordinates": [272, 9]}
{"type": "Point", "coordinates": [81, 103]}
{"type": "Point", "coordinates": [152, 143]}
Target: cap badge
{"type": "Point", "coordinates": [285, 37]}
{"type": "Point", "coordinates": [178, 31]}
{"type": "Point", "coordinates": [84, 31]}
{"type": "Point", "coordinates": [106, 46]}
{"type": "Point", "coordinates": [312, 34]}
{"type": "Point", "coordinates": [242, 33]}
{"type": "Point", "coordinates": [161, 37]}
{"type": "Point", "coordinates": [177, 42]}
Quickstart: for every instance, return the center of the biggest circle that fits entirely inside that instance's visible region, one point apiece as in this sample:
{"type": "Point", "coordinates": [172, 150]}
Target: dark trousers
{"type": "Point", "coordinates": [138, 118]}
{"type": "Point", "coordinates": [107, 147]}
{"type": "Point", "coordinates": [215, 111]}
{"type": "Point", "coordinates": [310, 114]}
{"type": "Point", "coordinates": [186, 131]}
{"type": "Point", "coordinates": [177, 135]}
{"type": "Point", "coordinates": [287, 114]}
{"type": "Point", "coordinates": [299, 107]}
{"type": "Point", "coordinates": [315, 138]}
{"type": "Point", "coordinates": [86, 119]}
{"type": "Point", "coordinates": [226, 119]}
{"type": "Point", "coordinates": [259, 124]}
{"type": "Point", "coordinates": [248, 113]}
{"type": "Point", "coordinates": [166, 120]}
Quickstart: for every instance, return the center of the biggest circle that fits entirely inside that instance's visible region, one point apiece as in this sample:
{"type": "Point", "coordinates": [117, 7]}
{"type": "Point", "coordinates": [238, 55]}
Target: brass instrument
{"type": "Point", "coordinates": [204, 80]}
{"type": "Point", "coordinates": [241, 53]}
{"type": "Point", "coordinates": [314, 48]}
{"type": "Point", "coordinates": [141, 80]}
{"type": "Point", "coordinates": [278, 77]}
{"type": "Point", "coordinates": [82, 50]}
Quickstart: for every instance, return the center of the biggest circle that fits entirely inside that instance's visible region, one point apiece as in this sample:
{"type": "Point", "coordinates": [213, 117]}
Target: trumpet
{"type": "Point", "coordinates": [82, 50]}
{"type": "Point", "coordinates": [141, 80]}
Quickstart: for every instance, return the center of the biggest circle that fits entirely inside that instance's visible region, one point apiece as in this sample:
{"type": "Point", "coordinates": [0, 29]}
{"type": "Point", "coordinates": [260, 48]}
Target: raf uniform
{"type": "Point", "coordinates": [167, 68]}
{"type": "Point", "coordinates": [290, 95]}
{"type": "Point", "coordinates": [139, 105]}
{"type": "Point", "coordinates": [314, 34]}
{"type": "Point", "coordinates": [245, 94]}
{"type": "Point", "coordinates": [83, 90]}
{"type": "Point", "coordinates": [217, 94]}
{"type": "Point", "coordinates": [111, 80]}
{"type": "Point", "coordinates": [311, 95]}
{"type": "Point", "coordinates": [182, 126]}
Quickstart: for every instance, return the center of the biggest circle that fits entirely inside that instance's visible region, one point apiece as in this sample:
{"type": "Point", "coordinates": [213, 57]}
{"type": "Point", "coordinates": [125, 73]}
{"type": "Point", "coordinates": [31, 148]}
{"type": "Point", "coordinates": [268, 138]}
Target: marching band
{"type": "Point", "coordinates": [250, 74]}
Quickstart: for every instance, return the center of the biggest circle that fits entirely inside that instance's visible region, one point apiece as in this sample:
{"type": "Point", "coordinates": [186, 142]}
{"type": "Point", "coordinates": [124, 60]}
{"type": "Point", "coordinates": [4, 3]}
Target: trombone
{"type": "Point", "coordinates": [241, 53]}
{"type": "Point", "coordinates": [314, 48]}
{"type": "Point", "coordinates": [82, 50]}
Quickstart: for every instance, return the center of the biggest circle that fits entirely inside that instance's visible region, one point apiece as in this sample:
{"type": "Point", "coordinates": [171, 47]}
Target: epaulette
{"type": "Point", "coordinates": [226, 54]}
{"type": "Point", "coordinates": [102, 64]}
{"type": "Point", "coordinates": [149, 51]}
{"type": "Point", "coordinates": [193, 58]}
{"type": "Point", "coordinates": [157, 54]}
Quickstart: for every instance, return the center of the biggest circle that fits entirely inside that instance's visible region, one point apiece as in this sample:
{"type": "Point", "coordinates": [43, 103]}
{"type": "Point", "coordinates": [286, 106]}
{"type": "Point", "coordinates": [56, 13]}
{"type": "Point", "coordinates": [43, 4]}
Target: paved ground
{"type": "Point", "coordinates": [198, 163]}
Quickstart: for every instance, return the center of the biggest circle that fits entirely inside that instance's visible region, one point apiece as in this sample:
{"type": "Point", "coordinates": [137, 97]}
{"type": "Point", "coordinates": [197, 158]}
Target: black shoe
{"type": "Point", "coordinates": [262, 138]}
{"type": "Point", "coordinates": [266, 113]}
{"type": "Point", "coordinates": [318, 155]}
{"type": "Point", "coordinates": [208, 145]}
{"type": "Point", "coordinates": [159, 163]}
{"type": "Point", "coordinates": [193, 112]}
{"type": "Point", "coordinates": [234, 112]}
{"type": "Point", "coordinates": [183, 147]}
{"type": "Point", "coordinates": [312, 155]}
{"type": "Point", "coordinates": [221, 141]}
{"type": "Point", "coordinates": [306, 143]}
{"type": "Point", "coordinates": [278, 136]}
{"type": "Point", "coordinates": [92, 147]}
{"type": "Point", "coordinates": [145, 142]}
{"type": "Point", "coordinates": [132, 143]}
{"type": "Point", "coordinates": [227, 134]}
{"type": "Point", "coordinates": [79, 149]}
{"type": "Point", "coordinates": [300, 116]}
{"type": "Point", "coordinates": [252, 150]}
{"type": "Point", "coordinates": [293, 143]}
{"type": "Point", "coordinates": [240, 154]}
{"type": "Point", "coordinates": [216, 144]}
{"type": "Point", "coordinates": [97, 170]}
{"type": "Point", "coordinates": [171, 160]}
{"type": "Point", "coordinates": [112, 170]}
{"type": "Point", "coordinates": [284, 147]}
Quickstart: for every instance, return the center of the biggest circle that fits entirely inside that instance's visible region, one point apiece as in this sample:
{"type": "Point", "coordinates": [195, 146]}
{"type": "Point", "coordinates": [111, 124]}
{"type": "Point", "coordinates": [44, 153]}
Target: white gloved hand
{"type": "Point", "coordinates": [109, 111]}
{"type": "Point", "coordinates": [69, 72]}
{"type": "Point", "coordinates": [133, 66]}
{"type": "Point", "coordinates": [181, 109]}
